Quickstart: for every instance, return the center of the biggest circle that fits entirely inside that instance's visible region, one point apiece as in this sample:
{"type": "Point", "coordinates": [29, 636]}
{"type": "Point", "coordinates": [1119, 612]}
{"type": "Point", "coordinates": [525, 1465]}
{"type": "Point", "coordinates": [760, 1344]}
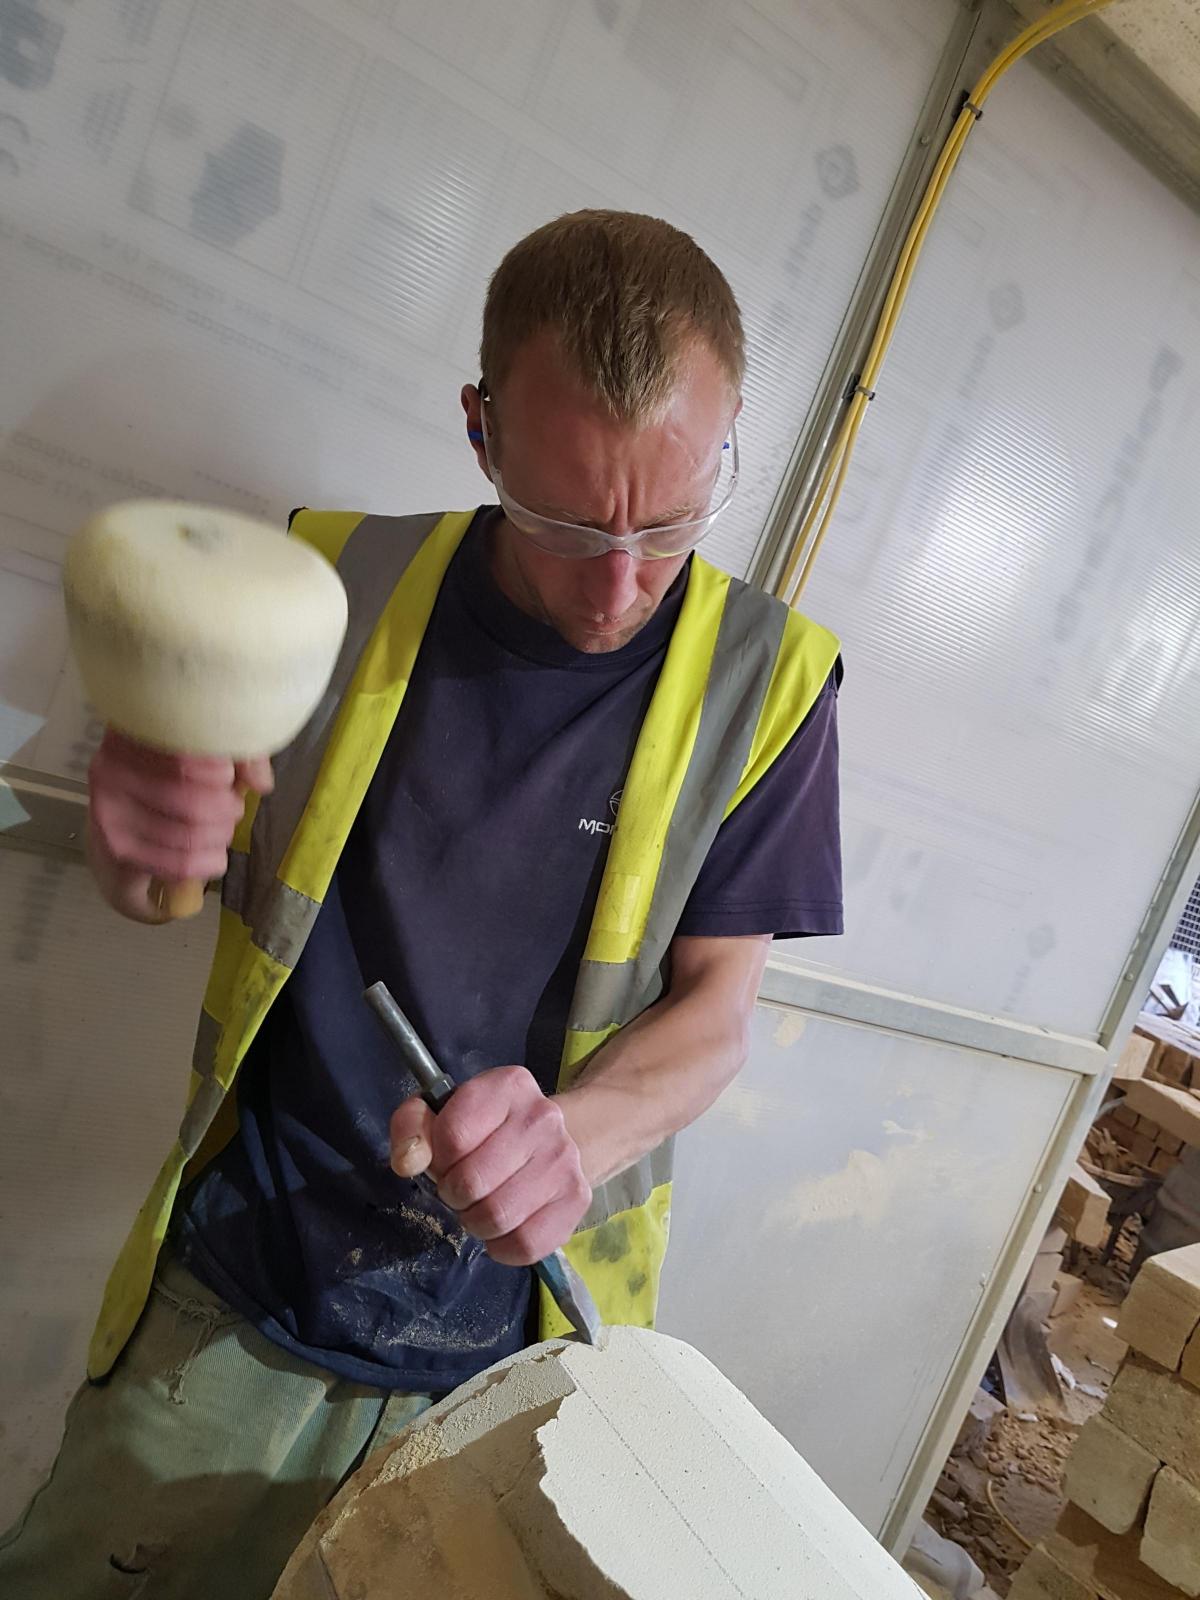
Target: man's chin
{"type": "Point", "coordinates": [596, 639]}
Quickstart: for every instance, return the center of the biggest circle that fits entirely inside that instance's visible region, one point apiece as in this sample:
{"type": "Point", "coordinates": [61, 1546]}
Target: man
{"type": "Point", "coordinates": [569, 782]}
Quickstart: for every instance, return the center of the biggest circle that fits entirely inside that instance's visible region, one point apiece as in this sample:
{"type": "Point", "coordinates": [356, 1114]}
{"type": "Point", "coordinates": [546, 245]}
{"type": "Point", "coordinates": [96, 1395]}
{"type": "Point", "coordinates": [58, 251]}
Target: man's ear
{"type": "Point", "coordinates": [472, 404]}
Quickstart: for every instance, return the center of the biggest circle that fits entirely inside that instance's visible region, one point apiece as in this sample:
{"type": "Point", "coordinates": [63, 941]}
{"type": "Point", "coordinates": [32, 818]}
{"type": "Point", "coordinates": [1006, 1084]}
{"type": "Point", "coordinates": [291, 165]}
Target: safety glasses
{"type": "Point", "coordinates": [576, 541]}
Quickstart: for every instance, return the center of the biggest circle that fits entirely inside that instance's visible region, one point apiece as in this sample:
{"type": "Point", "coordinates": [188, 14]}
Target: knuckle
{"type": "Point", "coordinates": [496, 1215]}
{"type": "Point", "coordinates": [467, 1186]}
{"type": "Point", "coordinates": [518, 1080]}
{"type": "Point", "coordinates": [546, 1116]}
{"type": "Point", "coordinates": [453, 1138]}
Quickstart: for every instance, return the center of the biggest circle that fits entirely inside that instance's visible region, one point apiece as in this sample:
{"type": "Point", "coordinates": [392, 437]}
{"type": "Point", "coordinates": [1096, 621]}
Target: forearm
{"type": "Point", "coordinates": [660, 1073]}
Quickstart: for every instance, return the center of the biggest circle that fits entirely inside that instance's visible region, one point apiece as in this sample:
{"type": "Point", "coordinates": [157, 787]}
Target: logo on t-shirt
{"type": "Point", "coordinates": [595, 824]}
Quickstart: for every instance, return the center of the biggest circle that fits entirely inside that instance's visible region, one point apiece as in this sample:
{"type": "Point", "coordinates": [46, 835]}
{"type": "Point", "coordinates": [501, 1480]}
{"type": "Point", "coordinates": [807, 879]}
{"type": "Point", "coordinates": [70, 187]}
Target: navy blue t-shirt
{"type": "Point", "coordinates": [467, 884]}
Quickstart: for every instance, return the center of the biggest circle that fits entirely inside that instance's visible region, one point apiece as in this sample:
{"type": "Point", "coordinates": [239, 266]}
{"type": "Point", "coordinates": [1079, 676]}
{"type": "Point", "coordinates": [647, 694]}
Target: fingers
{"type": "Point", "coordinates": [167, 815]}
{"type": "Point", "coordinates": [410, 1135]}
{"type": "Point", "coordinates": [503, 1160]}
{"type": "Point", "coordinates": [255, 774]}
{"type": "Point", "coordinates": [507, 1214]}
{"type": "Point", "coordinates": [483, 1135]}
{"type": "Point", "coordinates": [547, 1230]}
{"type": "Point", "coordinates": [494, 1137]}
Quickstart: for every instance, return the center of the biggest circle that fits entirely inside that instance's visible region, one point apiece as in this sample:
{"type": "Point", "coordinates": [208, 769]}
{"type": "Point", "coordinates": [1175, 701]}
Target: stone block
{"type": "Point", "coordinates": [1175, 1110]}
{"type": "Point", "coordinates": [1041, 1578]}
{"type": "Point", "coordinates": [631, 1470]}
{"type": "Point", "coordinates": [1108, 1475]}
{"type": "Point", "coordinates": [1159, 1411]}
{"type": "Point", "coordinates": [1083, 1208]}
{"type": "Point", "coordinates": [1171, 1539]}
{"type": "Point", "coordinates": [1108, 1564]}
{"type": "Point", "coordinates": [1162, 1310]}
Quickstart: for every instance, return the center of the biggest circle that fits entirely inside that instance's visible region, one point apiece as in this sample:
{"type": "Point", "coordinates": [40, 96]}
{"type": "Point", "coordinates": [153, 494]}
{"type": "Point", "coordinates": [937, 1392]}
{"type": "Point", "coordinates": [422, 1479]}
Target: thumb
{"type": "Point", "coordinates": [255, 774]}
{"type": "Point", "coordinates": [411, 1134]}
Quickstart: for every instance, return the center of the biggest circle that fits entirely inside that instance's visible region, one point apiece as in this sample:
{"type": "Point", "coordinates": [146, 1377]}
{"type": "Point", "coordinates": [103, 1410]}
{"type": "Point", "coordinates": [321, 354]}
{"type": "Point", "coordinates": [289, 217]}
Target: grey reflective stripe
{"type": "Point", "coordinates": [235, 887]}
{"type": "Point", "coordinates": [602, 995]}
{"type": "Point", "coordinates": [204, 1051]}
{"type": "Point", "coordinates": [373, 560]}
{"type": "Point", "coordinates": [198, 1117]}
{"type": "Point", "coordinates": [282, 924]}
{"type": "Point", "coordinates": [630, 1188]}
{"type": "Point", "coordinates": [609, 994]}
{"type": "Point", "coordinates": [743, 660]}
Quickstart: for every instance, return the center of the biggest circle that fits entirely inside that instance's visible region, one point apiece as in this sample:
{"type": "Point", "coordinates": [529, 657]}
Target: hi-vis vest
{"type": "Point", "coordinates": [741, 673]}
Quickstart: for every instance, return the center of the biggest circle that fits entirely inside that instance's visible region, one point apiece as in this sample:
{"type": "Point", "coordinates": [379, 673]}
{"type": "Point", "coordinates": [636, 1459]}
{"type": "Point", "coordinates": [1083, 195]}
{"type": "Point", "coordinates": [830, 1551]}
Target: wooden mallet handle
{"type": "Point", "coordinates": [176, 901]}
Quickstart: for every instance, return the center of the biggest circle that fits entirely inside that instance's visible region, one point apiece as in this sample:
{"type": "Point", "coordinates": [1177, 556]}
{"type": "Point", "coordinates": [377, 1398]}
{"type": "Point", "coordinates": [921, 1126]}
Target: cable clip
{"type": "Point", "coordinates": [855, 386]}
{"type": "Point", "coordinates": [969, 105]}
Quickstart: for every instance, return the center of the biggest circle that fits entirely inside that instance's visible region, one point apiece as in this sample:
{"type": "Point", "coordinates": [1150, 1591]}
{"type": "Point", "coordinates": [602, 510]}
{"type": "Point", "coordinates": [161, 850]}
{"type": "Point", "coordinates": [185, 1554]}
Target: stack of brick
{"type": "Point", "coordinates": [1147, 1141]}
{"type": "Point", "coordinates": [1166, 1052]}
{"type": "Point", "coordinates": [1131, 1529]}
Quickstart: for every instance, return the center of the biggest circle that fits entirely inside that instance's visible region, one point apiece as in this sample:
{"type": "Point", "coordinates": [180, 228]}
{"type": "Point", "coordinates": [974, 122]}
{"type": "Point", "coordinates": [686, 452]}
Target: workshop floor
{"type": "Point", "coordinates": [1003, 1494]}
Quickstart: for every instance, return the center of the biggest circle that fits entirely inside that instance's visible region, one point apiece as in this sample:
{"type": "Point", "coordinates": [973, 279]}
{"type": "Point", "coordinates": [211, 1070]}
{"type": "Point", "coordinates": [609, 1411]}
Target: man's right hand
{"type": "Point", "coordinates": [157, 816]}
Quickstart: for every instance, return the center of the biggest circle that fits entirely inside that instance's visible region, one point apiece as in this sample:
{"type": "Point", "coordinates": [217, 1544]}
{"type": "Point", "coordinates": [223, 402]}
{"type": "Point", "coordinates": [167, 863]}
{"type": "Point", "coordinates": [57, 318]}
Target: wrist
{"type": "Point", "coordinates": [591, 1123]}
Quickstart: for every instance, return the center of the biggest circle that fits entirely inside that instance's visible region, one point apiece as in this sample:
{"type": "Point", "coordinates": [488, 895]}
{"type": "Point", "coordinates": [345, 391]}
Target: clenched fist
{"type": "Point", "coordinates": [502, 1158]}
{"type": "Point", "coordinates": [154, 815]}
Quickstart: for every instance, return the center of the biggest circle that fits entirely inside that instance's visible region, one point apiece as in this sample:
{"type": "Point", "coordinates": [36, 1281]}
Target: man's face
{"type": "Point", "coordinates": [562, 455]}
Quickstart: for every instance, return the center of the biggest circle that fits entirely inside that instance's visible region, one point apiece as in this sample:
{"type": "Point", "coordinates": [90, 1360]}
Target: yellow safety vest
{"type": "Point", "coordinates": [741, 673]}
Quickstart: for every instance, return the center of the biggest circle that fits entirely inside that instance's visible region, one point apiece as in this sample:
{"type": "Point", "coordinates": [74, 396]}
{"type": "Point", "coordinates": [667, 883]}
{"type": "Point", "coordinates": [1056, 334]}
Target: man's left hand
{"type": "Point", "coordinates": [502, 1158]}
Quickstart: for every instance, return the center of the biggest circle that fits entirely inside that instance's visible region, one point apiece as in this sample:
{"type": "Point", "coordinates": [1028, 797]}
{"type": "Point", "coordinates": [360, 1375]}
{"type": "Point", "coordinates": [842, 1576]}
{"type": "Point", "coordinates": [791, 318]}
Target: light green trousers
{"type": "Point", "coordinates": [196, 1468]}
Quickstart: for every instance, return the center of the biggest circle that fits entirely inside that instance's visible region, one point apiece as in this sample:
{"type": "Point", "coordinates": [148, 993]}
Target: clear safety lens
{"type": "Point", "coordinates": [574, 540]}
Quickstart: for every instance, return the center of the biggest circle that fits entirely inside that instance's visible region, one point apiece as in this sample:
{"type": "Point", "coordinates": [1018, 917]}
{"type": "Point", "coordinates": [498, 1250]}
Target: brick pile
{"type": "Point", "coordinates": [1131, 1528]}
{"type": "Point", "coordinates": [1159, 1116]}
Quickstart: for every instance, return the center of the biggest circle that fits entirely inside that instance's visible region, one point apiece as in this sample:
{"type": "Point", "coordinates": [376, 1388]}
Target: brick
{"type": "Point", "coordinates": [1171, 1540]}
{"type": "Point", "coordinates": [1083, 1208]}
{"type": "Point", "coordinates": [1139, 1146]}
{"type": "Point", "coordinates": [1126, 1117]}
{"type": "Point", "coordinates": [1134, 1058]}
{"type": "Point", "coordinates": [1042, 1275]}
{"type": "Point", "coordinates": [1150, 1129]}
{"type": "Point", "coordinates": [1175, 1110]}
{"type": "Point", "coordinates": [1108, 1475]}
{"type": "Point", "coordinates": [1159, 1411]}
{"type": "Point", "coordinates": [1041, 1578]}
{"type": "Point", "coordinates": [1162, 1163]}
{"type": "Point", "coordinates": [1162, 1309]}
{"type": "Point", "coordinates": [1169, 1143]}
{"type": "Point", "coordinates": [1106, 1564]}
{"type": "Point", "coordinates": [1174, 1065]}
{"type": "Point", "coordinates": [1067, 1289]}
{"type": "Point", "coordinates": [1120, 1131]}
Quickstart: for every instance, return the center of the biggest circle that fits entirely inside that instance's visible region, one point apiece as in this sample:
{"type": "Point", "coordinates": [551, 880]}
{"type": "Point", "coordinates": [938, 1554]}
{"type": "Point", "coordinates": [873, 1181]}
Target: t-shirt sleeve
{"type": "Point", "coordinates": [776, 864]}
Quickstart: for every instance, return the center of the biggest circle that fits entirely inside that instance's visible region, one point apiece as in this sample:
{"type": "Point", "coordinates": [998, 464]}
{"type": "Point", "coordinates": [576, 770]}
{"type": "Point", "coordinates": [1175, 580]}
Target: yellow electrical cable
{"type": "Point", "coordinates": [807, 544]}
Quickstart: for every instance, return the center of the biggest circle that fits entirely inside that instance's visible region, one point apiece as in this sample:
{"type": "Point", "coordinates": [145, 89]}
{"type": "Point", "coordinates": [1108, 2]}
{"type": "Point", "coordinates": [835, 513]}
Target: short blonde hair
{"type": "Point", "coordinates": [625, 294]}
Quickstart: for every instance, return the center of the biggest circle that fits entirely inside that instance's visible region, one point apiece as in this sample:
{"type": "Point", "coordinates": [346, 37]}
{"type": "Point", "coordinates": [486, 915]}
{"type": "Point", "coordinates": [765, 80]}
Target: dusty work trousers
{"type": "Point", "coordinates": [196, 1468]}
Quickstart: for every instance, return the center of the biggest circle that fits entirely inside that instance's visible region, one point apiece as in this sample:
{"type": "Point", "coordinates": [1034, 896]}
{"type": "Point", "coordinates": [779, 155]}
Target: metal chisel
{"type": "Point", "coordinates": [566, 1287]}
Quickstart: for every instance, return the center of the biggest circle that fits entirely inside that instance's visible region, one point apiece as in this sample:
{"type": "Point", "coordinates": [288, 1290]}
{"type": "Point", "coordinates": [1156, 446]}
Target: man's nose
{"type": "Point", "coordinates": [612, 584]}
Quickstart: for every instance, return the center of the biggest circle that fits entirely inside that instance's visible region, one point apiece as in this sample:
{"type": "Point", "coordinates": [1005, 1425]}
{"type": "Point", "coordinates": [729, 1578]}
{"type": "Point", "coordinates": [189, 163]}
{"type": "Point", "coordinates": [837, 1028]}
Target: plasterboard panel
{"type": "Point", "coordinates": [244, 243]}
{"type": "Point", "coordinates": [1015, 574]}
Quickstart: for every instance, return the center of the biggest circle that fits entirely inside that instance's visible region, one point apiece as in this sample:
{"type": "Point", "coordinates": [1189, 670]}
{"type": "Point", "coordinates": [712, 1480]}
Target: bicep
{"type": "Point", "coordinates": [722, 971]}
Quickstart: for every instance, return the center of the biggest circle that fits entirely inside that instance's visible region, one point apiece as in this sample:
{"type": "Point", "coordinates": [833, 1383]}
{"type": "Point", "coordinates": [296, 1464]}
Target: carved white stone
{"type": "Point", "coordinates": [632, 1471]}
